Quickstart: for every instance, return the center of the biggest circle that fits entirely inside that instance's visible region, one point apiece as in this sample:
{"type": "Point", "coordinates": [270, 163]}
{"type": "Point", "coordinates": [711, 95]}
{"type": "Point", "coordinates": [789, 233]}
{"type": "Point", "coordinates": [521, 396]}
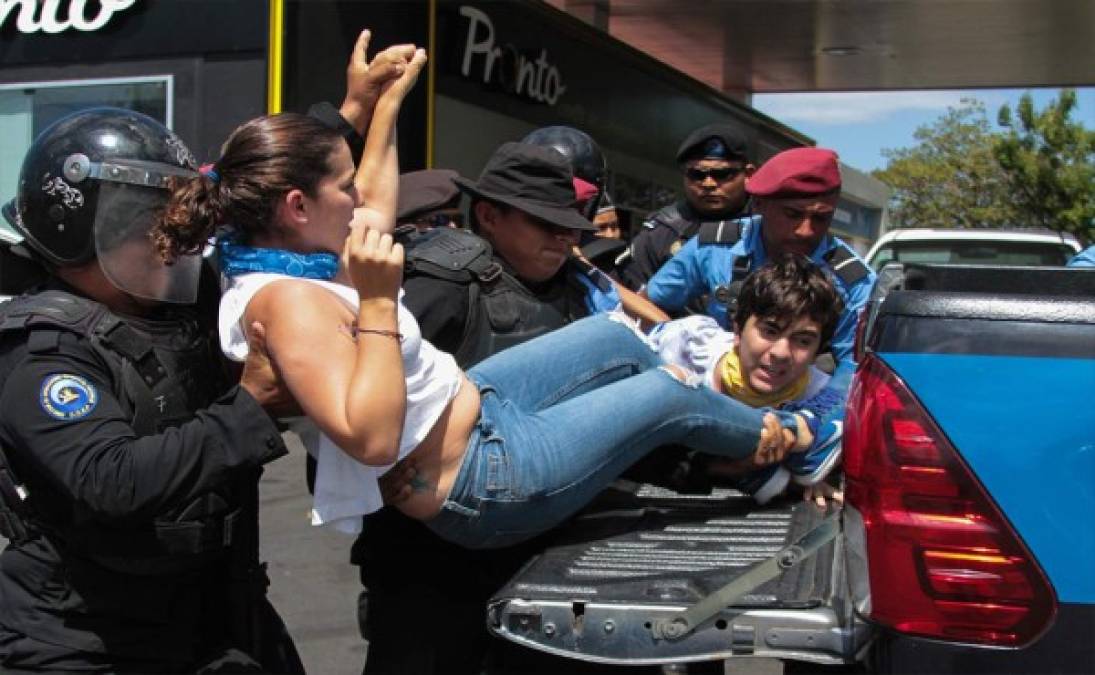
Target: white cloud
{"type": "Point", "coordinates": [836, 108]}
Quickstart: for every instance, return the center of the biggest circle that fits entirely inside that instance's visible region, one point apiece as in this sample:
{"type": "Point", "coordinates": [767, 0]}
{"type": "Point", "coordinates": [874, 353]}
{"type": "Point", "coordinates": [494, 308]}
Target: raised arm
{"type": "Point", "coordinates": [377, 178]}
{"type": "Point", "coordinates": [365, 79]}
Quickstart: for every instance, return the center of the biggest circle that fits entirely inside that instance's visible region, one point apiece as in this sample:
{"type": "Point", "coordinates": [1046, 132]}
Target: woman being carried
{"type": "Point", "coordinates": [507, 450]}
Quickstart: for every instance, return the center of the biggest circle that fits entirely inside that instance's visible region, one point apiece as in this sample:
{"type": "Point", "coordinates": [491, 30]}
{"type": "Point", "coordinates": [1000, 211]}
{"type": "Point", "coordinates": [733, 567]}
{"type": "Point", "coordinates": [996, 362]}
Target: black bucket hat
{"type": "Point", "coordinates": [532, 179]}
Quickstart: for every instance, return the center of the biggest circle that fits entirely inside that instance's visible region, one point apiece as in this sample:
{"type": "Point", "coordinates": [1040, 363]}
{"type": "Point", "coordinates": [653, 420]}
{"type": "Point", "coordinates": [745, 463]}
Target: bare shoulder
{"type": "Point", "coordinates": [288, 302]}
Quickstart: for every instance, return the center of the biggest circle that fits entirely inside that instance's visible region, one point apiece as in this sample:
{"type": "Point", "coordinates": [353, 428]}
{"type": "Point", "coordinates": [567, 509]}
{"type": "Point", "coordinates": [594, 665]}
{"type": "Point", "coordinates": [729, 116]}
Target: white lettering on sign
{"type": "Point", "coordinates": [514, 71]}
{"type": "Point", "coordinates": [49, 19]}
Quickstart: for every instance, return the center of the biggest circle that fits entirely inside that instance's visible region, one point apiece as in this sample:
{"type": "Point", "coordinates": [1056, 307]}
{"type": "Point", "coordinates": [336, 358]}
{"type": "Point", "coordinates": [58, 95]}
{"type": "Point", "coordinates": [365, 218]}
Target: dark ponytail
{"type": "Point", "coordinates": [261, 161]}
{"type": "Point", "coordinates": [192, 213]}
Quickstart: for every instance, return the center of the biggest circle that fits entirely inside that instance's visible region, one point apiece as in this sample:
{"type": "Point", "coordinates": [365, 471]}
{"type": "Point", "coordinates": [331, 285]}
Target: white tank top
{"type": "Point", "coordinates": [345, 488]}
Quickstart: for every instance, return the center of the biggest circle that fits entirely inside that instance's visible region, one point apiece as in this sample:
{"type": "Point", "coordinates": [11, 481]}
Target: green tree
{"type": "Point", "coordinates": [1049, 162]}
{"type": "Point", "coordinates": [951, 178]}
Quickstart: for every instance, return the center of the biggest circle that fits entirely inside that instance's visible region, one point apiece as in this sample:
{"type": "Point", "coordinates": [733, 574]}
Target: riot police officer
{"type": "Point", "coordinates": [582, 153]}
{"type": "Point", "coordinates": [714, 165]}
{"type": "Point", "coordinates": [129, 490]}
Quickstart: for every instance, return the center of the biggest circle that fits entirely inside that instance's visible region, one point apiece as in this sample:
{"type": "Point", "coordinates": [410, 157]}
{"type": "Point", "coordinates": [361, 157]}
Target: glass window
{"type": "Point", "coordinates": [27, 109]}
{"type": "Point", "coordinates": [881, 257]}
{"type": "Point", "coordinates": [976, 253]}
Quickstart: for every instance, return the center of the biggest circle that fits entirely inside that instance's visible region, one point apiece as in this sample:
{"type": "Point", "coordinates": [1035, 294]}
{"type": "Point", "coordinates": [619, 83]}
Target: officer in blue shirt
{"type": "Point", "coordinates": [794, 195]}
{"type": "Point", "coordinates": [1085, 258]}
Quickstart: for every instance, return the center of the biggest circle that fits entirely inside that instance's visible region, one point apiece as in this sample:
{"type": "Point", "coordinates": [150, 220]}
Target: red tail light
{"type": "Point", "coordinates": [944, 562]}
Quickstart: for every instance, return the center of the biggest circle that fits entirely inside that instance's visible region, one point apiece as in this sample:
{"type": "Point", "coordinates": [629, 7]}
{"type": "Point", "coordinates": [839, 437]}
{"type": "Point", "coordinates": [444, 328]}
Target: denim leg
{"type": "Point", "coordinates": [567, 362]}
{"type": "Point", "coordinates": [542, 467]}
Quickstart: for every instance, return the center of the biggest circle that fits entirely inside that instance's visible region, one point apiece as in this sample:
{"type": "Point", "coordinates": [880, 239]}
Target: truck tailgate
{"type": "Point", "coordinates": [646, 553]}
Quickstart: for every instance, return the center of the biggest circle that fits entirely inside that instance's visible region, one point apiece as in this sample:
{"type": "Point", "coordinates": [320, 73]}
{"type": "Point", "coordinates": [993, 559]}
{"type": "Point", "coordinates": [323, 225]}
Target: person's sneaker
{"type": "Point", "coordinates": [765, 483]}
{"type": "Point", "coordinates": [819, 405]}
{"type": "Point", "coordinates": [813, 465]}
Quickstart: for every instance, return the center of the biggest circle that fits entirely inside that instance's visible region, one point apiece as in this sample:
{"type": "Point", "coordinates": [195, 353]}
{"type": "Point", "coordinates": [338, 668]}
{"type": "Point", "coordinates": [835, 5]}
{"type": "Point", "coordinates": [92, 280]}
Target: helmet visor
{"type": "Point", "coordinates": [123, 219]}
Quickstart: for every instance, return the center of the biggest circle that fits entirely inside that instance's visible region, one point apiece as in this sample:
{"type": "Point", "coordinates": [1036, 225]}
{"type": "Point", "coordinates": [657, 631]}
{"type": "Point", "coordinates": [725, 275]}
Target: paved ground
{"type": "Point", "coordinates": [312, 583]}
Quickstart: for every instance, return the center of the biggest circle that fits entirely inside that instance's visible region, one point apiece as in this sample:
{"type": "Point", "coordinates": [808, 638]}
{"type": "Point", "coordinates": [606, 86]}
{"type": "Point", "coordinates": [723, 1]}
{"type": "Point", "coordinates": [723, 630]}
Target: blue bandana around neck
{"type": "Point", "coordinates": [236, 259]}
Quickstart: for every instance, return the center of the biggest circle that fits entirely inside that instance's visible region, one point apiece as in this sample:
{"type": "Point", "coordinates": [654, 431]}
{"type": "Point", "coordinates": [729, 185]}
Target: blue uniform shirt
{"type": "Point", "coordinates": [601, 295]}
{"type": "Point", "coordinates": [701, 268]}
{"type": "Point", "coordinates": [1085, 258]}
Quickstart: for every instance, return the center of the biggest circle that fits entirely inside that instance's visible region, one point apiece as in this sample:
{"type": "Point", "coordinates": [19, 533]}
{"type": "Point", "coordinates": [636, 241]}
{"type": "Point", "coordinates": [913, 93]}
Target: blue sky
{"type": "Point", "coordinates": [858, 125]}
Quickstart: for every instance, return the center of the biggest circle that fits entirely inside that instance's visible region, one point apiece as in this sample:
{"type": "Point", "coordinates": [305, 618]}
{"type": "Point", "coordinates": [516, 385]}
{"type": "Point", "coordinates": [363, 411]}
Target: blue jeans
{"type": "Point", "coordinates": [562, 416]}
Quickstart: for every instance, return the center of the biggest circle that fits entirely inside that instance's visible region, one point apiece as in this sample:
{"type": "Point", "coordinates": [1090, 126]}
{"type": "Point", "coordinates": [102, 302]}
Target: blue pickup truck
{"type": "Point", "coordinates": [967, 543]}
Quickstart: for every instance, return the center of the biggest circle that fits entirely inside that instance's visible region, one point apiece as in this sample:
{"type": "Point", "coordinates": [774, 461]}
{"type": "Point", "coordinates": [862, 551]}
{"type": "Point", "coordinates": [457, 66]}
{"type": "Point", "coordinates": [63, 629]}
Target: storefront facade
{"type": "Point", "coordinates": [497, 70]}
{"type": "Point", "coordinates": [198, 66]}
{"type": "Point", "coordinates": [501, 69]}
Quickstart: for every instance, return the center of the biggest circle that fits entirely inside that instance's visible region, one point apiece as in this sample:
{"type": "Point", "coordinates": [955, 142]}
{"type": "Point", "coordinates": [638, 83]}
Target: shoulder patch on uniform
{"type": "Point", "coordinates": [68, 397]}
{"type": "Point", "coordinates": [847, 266]}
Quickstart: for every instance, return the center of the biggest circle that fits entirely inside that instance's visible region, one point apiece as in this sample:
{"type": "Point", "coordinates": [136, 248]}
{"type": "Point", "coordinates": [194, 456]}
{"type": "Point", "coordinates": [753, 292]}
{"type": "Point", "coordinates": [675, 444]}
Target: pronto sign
{"type": "Point", "coordinates": [507, 66]}
{"type": "Point", "coordinates": [52, 19]}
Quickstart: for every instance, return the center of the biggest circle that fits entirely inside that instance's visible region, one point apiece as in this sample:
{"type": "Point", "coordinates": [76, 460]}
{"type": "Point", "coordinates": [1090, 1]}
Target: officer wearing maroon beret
{"type": "Point", "coordinates": [795, 196]}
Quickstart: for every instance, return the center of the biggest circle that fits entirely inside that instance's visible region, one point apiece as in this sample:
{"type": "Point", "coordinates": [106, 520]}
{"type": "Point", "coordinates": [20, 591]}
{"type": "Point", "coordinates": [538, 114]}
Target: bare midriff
{"type": "Point", "coordinates": [438, 457]}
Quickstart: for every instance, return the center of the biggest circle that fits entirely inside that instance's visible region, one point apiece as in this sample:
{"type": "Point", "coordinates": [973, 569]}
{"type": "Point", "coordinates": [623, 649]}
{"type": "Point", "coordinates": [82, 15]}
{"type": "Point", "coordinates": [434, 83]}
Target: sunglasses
{"type": "Point", "coordinates": [700, 175]}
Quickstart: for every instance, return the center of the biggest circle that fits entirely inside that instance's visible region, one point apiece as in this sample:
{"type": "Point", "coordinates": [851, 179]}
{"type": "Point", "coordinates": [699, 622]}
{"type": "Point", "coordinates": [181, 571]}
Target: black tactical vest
{"type": "Point", "coordinates": [502, 312]}
{"type": "Point", "coordinates": [671, 217]}
{"type": "Point", "coordinates": [161, 372]}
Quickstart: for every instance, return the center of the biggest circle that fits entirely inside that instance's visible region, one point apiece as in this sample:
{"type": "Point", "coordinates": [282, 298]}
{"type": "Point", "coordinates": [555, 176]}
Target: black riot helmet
{"type": "Point", "coordinates": [585, 157]}
{"type": "Point", "coordinates": [91, 187]}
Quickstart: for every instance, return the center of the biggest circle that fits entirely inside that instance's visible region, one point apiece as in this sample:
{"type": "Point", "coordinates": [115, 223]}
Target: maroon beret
{"type": "Point", "coordinates": [798, 172]}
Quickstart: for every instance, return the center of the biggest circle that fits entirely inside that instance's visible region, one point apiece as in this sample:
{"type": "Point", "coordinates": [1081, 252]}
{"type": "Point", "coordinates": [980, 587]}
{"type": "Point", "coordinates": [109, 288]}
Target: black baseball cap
{"type": "Point", "coordinates": [713, 141]}
{"type": "Point", "coordinates": [533, 179]}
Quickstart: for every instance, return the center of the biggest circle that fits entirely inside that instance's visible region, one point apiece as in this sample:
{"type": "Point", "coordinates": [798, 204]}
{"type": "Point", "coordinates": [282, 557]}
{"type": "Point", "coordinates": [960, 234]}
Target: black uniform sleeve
{"type": "Point", "coordinates": [329, 115]}
{"type": "Point", "coordinates": [441, 308]}
{"type": "Point", "coordinates": [648, 252]}
{"type": "Point", "coordinates": [94, 457]}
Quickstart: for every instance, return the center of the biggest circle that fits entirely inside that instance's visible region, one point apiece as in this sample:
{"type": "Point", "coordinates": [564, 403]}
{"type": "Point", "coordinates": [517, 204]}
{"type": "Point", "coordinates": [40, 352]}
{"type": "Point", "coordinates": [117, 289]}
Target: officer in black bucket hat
{"type": "Point", "coordinates": [475, 294]}
{"type": "Point", "coordinates": [533, 179]}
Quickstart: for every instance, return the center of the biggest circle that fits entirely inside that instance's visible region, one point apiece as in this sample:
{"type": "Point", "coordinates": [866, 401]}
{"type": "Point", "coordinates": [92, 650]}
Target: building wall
{"type": "Point", "coordinates": [210, 96]}
{"type": "Point", "coordinates": [210, 53]}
